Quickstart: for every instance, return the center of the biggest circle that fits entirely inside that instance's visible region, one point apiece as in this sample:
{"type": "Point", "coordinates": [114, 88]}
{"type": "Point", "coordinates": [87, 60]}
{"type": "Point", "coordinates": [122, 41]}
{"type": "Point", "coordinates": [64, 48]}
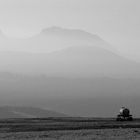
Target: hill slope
{"type": "Point", "coordinates": [81, 61]}
{"type": "Point", "coordinates": [27, 112]}
{"type": "Point", "coordinates": [51, 39]}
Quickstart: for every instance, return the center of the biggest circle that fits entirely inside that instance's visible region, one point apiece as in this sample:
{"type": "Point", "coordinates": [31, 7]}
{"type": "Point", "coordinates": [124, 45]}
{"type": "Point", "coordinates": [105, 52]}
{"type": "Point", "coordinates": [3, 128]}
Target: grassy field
{"type": "Point", "coordinates": [68, 129]}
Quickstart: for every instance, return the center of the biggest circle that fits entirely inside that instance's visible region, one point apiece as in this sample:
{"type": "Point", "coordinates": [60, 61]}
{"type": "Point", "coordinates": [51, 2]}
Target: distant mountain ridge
{"type": "Point", "coordinates": [51, 39]}
{"type": "Point", "coordinates": [64, 52]}
{"type": "Point", "coordinates": [77, 61]}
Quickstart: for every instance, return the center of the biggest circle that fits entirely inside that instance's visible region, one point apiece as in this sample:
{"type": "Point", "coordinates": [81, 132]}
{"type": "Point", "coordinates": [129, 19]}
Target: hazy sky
{"type": "Point", "coordinates": [117, 21]}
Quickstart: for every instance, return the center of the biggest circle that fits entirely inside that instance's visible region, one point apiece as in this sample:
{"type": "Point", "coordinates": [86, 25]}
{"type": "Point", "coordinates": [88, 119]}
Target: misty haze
{"type": "Point", "coordinates": [69, 71]}
{"type": "Point", "coordinates": [75, 58]}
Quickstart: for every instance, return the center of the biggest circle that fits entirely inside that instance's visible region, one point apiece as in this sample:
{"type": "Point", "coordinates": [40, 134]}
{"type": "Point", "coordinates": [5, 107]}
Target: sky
{"type": "Point", "coordinates": [116, 21]}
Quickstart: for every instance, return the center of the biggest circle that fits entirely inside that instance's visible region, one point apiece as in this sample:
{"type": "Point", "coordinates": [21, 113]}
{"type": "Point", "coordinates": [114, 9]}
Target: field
{"type": "Point", "coordinates": [68, 129]}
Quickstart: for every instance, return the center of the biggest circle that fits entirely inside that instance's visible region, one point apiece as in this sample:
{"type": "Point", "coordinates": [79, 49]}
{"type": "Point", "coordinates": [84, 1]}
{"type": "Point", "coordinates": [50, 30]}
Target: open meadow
{"type": "Point", "coordinates": [69, 129]}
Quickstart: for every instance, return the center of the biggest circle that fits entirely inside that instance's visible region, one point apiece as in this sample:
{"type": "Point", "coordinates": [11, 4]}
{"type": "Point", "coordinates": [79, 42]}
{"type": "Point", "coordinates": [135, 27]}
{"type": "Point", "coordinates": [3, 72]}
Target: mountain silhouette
{"type": "Point", "coordinates": [78, 61]}
{"type": "Point", "coordinates": [51, 39]}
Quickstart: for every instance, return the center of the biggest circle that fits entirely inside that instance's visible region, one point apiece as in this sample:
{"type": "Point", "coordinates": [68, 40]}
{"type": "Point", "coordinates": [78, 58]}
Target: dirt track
{"type": "Point", "coordinates": [68, 129]}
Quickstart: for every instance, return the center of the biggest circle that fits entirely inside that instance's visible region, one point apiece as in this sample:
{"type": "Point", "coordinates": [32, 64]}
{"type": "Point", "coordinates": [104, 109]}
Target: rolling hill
{"type": "Point", "coordinates": [27, 112]}
{"type": "Point", "coordinates": [97, 97]}
{"type": "Point", "coordinates": [78, 61]}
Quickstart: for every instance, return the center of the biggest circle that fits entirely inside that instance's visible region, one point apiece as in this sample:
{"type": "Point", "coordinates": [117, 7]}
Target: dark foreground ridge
{"type": "Point", "coordinates": [71, 123]}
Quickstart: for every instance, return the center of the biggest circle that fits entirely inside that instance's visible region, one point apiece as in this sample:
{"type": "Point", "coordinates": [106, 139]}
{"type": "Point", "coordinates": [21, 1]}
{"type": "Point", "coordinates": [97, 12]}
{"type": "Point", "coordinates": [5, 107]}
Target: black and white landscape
{"type": "Point", "coordinates": [67, 67]}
